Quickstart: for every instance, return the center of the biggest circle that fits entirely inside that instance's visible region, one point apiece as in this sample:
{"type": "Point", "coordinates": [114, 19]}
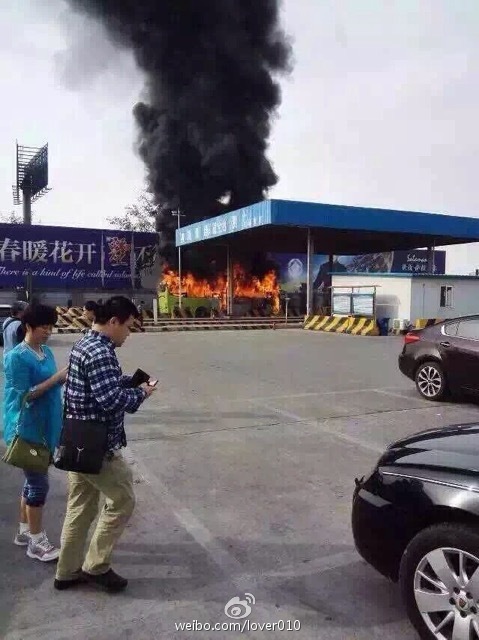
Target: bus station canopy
{"type": "Point", "coordinates": [286, 226]}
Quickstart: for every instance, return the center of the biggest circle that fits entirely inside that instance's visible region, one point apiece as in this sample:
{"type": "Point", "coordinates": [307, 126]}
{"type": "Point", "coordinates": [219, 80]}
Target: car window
{"type": "Point", "coordinates": [468, 329]}
{"type": "Point", "coordinates": [451, 329]}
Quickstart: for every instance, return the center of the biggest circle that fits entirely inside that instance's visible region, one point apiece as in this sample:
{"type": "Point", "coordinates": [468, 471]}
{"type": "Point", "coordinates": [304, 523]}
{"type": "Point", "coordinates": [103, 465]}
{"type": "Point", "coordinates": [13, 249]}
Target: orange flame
{"type": "Point", "coordinates": [244, 286]}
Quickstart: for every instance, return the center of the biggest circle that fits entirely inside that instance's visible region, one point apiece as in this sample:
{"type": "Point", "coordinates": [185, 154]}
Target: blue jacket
{"type": "Point", "coordinates": [40, 420]}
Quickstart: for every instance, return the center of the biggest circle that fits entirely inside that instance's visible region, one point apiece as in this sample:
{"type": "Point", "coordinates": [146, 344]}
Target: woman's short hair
{"type": "Point", "coordinates": [39, 315]}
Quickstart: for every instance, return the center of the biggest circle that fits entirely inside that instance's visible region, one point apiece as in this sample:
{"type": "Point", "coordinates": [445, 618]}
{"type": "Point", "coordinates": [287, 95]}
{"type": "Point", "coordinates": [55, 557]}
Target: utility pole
{"type": "Point", "coordinates": [27, 205]}
{"type": "Point", "coordinates": [31, 184]}
{"type": "Point", "coordinates": [179, 215]}
{"type": "Point", "coordinates": [27, 220]}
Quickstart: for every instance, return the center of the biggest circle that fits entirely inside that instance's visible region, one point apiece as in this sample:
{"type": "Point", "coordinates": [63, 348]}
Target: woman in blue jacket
{"type": "Point", "coordinates": [33, 408]}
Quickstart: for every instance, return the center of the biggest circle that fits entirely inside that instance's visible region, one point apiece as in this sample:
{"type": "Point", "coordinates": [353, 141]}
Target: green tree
{"type": "Point", "coordinates": [12, 217]}
{"type": "Point", "coordinates": [137, 217]}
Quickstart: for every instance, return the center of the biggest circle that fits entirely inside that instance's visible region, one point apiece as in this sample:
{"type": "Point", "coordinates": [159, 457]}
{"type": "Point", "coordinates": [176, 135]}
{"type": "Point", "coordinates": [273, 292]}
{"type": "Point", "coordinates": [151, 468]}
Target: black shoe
{"type": "Point", "coordinates": [109, 581]}
{"type": "Point", "coordinates": [61, 585]}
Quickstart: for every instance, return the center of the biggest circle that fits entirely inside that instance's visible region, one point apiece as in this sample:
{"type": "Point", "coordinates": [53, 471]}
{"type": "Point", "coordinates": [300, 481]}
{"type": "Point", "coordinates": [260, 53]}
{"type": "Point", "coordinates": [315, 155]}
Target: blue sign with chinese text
{"type": "Point", "coordinates": [246, 218]}
{"type": "Point", "coordinates": [80, 258]}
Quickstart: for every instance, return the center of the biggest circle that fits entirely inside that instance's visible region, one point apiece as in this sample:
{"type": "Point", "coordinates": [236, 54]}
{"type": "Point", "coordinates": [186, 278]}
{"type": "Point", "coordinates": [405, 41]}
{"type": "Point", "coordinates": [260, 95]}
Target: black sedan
{"type": "Point", "coordinates": [443, 358]}
{"type": "Point", "coordinates": [415, 519]}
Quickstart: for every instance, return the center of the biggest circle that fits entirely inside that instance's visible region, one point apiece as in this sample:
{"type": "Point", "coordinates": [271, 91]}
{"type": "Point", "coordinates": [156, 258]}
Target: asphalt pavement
{"type": "Point", "coordinates": [244, 464]}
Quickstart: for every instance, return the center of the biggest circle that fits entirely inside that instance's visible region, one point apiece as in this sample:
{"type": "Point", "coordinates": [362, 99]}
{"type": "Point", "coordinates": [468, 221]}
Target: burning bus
{"type": "Point", "coordinates": [207, 297]}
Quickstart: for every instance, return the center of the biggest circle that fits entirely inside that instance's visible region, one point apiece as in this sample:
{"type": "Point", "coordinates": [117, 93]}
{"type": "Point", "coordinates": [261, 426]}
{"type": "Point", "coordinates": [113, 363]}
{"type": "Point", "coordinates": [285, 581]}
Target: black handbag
{"type": "Point", "coordinates": [83, 444]}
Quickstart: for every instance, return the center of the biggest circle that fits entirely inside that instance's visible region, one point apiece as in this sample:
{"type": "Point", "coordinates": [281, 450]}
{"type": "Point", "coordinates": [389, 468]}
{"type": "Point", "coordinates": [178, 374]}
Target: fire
{"type": "Point", "coordinates": [244, 286]}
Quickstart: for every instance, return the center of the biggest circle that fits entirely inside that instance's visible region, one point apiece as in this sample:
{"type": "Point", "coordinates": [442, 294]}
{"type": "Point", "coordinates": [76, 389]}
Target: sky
{"type": "Point", "coordinates": [380, 109]}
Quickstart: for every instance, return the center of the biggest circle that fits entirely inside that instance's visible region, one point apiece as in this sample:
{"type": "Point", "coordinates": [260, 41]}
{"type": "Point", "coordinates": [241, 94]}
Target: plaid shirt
{"type": "Point", "coordinates": [97, 390]}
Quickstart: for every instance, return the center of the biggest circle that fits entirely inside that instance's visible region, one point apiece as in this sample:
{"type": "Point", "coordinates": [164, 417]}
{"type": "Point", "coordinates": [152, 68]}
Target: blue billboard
{"type": "Point", "coordinates": [292, 266]}
{"type": "Point", "coordinates": [75, 258]}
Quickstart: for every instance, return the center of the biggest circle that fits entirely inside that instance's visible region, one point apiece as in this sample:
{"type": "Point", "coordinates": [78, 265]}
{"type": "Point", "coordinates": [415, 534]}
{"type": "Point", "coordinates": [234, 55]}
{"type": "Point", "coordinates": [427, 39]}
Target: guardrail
{"type": "Point", "coordinates": [72, 321]}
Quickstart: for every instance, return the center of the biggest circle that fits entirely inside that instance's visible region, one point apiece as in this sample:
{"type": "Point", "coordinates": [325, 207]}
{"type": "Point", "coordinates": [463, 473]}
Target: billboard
{"type": "Point", "coordinates": [36, 172]}
{"type": "Point", "coordinates": [64, 257]}
{"type": "Point", "coordinates": [292, 267]}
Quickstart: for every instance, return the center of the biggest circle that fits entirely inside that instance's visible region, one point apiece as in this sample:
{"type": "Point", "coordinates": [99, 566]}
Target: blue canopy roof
{"type": "Point", "coordinates": [281, 225]}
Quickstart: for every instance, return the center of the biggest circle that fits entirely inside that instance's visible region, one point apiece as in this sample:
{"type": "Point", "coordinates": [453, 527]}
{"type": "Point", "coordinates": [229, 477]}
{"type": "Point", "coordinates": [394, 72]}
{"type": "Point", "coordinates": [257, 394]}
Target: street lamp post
{"type": "Point", "coordinates": [287, 299]}
{"type": "Point", "coordinates": [179, 215]}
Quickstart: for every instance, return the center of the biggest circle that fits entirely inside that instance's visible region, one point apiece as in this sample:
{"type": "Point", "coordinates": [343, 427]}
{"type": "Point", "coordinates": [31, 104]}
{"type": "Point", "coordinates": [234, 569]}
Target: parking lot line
{"type": "Point", "coordinates": [387, 392]}
{"type": "Point", "coordinates": [294, 417]}
{"type": "Point", "coordinates": [307, 394]}
{"type": "Point", "coordinates": [227, 563]}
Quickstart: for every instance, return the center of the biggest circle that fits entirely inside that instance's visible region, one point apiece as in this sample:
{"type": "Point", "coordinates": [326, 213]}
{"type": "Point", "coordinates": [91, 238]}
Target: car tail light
{"type": "Point", "coordinates": [411, 337]}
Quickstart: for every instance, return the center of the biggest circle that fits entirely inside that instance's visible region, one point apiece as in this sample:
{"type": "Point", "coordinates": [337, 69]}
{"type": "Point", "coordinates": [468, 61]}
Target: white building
{"type": "Point", "coordinates": [411, 296]}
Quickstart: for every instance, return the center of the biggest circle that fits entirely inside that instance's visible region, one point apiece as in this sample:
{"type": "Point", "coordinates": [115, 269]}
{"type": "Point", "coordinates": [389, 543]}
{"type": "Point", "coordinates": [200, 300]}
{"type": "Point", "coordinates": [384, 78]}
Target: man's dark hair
{"type": "Point", "coordinates": [91, 305]}
{"type": "Point", "coordinates": [39, 315]}
{"type": "Point", "coordinates": [116, 307]}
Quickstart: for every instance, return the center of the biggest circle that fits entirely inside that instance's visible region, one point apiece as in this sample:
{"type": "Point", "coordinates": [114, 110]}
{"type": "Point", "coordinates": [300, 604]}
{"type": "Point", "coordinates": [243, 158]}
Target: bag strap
{"type": "Point", "coordinates": [65, 393]}
{"type": "Point", "coordinates": [22, 411]}
{"type": "Point", "coordinates": [8, 323]}
{"type": "Point", "coordinates": [20, 415]}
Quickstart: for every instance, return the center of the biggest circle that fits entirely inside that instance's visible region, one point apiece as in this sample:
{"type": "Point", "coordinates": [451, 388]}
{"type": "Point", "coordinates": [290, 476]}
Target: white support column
{"type": "Point", "coordinates": [430, 259]}
{"type": "Point", "coordinates": [309, 274]}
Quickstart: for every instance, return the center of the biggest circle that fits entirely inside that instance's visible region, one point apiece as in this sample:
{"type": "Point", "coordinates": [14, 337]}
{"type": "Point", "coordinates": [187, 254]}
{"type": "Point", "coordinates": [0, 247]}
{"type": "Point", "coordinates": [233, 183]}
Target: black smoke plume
{"type": "Point", "coordinates": [210, 95]}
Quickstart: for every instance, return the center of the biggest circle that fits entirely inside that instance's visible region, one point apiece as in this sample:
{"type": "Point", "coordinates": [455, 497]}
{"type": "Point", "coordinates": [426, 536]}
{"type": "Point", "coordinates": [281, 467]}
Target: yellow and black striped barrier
{"type": "Point", "coordinates": [72, 321]}
{"type": "Point", "coordinates": [330, 324]}
{"type": "Point", "coordinates": [137, 327]}
{"type": "Point", "coordinates": [422, 323]}
{"type": "Point", "coordinates": [342, 324]}
{"type": "Point", "coordinates": [75, 312]}
{"type": "Point", "coordinates": [363, 327]}
{"type": "Point", "coordinates": [316, 323]}
{"type": "Point", "coordinates": [337, 324]}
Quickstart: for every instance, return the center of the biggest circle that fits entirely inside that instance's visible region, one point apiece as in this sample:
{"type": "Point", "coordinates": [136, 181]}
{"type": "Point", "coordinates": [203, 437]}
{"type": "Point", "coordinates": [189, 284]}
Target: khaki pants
{"type": "Point", "coordinates": [115, 483]}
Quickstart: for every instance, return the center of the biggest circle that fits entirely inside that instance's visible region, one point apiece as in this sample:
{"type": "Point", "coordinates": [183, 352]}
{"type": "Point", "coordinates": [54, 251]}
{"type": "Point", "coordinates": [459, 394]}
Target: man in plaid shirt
{"type": "Point", "coordinates": [97, 390]}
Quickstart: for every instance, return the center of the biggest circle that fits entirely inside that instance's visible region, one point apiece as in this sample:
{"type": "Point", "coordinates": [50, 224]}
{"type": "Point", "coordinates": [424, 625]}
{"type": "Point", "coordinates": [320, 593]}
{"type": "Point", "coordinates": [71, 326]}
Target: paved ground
{"type": "Point", "coordinates": [244, 464]}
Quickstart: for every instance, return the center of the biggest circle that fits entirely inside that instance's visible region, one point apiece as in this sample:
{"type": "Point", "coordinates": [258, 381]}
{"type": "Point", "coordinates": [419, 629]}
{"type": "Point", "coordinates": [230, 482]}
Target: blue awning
{"type": "Point", "coordinates": [282, 225]}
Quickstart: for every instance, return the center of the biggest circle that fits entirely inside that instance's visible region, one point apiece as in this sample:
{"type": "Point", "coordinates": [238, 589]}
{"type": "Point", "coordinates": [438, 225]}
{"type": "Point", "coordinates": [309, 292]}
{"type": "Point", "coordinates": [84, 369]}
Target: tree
{"type": "Point", "coordinates": [137, 217]}
{"type": "Point", "coordinates": [12, 217]}
{"type": "Point", "coordinates": [144, 215]}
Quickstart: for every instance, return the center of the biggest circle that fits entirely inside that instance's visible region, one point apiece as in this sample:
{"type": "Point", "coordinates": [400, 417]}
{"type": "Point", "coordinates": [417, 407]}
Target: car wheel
{"type": "Point", "coordinates": [439, 578]}
{"type": "Point", "coordinates": [431, 381]}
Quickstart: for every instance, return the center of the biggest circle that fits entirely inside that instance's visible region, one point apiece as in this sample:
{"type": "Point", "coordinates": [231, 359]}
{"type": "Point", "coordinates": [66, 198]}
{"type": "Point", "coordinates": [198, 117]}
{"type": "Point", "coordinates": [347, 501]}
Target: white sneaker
{"type": "Point", "coordinates": [42, 550]}
{"type": "Point", "coordinates": [21, 539]}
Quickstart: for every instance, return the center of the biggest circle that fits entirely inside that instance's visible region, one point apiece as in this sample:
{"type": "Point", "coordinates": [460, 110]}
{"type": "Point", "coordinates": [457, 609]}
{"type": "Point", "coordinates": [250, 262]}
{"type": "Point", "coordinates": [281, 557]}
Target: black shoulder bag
{"type": "Point", "coordinates": [83, 444]}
